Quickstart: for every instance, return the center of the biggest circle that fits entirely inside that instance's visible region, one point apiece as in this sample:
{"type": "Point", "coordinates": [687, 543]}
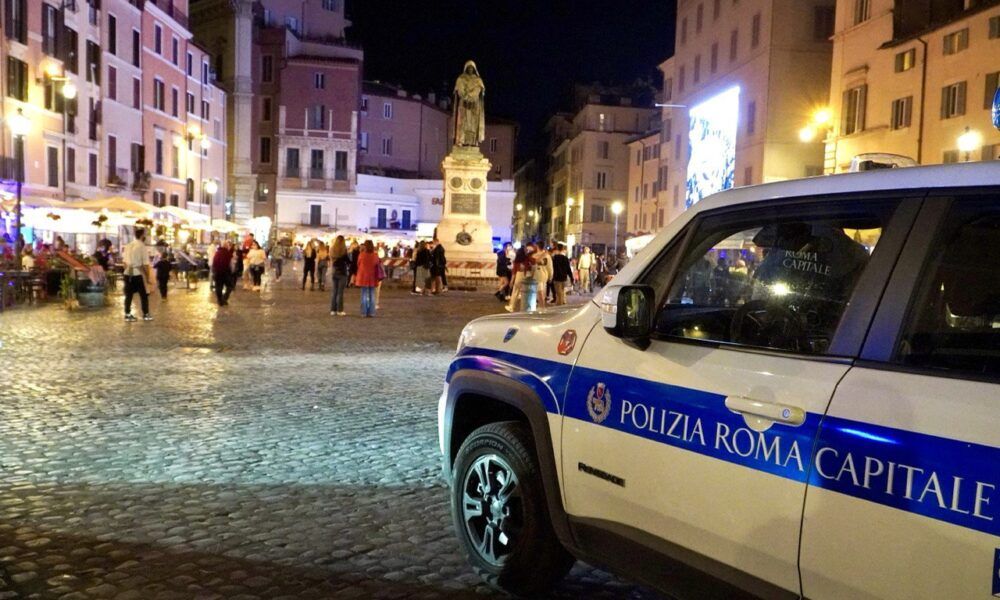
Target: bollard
{"type": "Point", "coordinates": [529, 295]}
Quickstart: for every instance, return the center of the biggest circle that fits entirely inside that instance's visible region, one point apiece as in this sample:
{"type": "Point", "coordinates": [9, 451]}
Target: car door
{"type": "Point", "coordinates": [703, 440]}
{"type": "Point", "coordinates": [908, 458]}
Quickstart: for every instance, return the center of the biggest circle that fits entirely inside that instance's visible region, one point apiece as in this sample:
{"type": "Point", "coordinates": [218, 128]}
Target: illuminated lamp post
{"type": "Point", "coordinates": [969, 141]}
{"type": "Point", "coordinates": [19, 126]}
{"type": "Point", "coordinates": [211, 188]}
{"type": "Point", "coordinates": [822, 120]}
{"type": "Point", "coordinates": [616, 208]}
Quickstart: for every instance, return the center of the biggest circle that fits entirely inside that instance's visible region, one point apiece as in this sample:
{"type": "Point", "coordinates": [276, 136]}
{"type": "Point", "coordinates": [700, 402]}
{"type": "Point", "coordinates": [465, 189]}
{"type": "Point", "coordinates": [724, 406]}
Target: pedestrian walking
{"type": "Point", "coordinates": [584, 264]}
{"type": "Point", "coordinates": [309, 265]}
{"type": "Point", "coordinates": [256, 260]}
{"type": "Point", "coordinates": [543, 273]}
{"type": "Point", "coordinates": [562, 273]}
{"type": "Point", "coordinates": [239, 264]}
{"type": "Point", "coordinates": [277, 260]}
{"type": "Point", "coordinates": [162, 268]}
{"type": "Point", "coordinates": [367, 278]}
{"type": "Point", "coordinates": [322, 264]}
{"type": "Point", "coordinates": [503, 274]}
{"type": "Point", "coordinates": [341, 264]}
{"type": "Point", "coordinates": [523, 269]}
{"type": "Point", "coordinates": [137, 275]}
{"type": "Point", "coordinates": [222, 272]}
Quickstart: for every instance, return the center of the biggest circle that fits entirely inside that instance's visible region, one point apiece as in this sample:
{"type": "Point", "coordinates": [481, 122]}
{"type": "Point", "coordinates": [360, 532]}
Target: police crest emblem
{"type": "Point", "coordinates": [599, 402]}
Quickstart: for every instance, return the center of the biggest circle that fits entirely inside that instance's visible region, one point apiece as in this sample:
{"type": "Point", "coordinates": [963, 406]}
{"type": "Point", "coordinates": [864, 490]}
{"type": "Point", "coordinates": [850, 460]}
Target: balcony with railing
{"type": "Point", "coordinates": [9, 168]}
{"type": "Point", "coordinates": [117, 177]}
{"type": "Point", "coordinates": [312, 220]}
{"type": "Point", "coordinates": [379, 224]}
{"type": "Point", "coordinates": [172, 11]}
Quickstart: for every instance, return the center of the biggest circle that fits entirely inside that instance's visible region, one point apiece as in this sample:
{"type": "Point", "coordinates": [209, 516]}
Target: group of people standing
{"type": "Point", "coordinates": [358, 265]}
{"type": "Point", "coordinates": [430, 268]}
{"type": "Point", "coordinates": [547, 269]}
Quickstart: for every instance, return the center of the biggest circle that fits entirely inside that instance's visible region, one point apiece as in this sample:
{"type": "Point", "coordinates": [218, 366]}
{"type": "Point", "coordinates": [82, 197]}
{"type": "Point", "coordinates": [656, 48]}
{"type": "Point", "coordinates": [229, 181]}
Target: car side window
{"type": "Point", "coordinates": [954, 320]}
{"type": "Point", "coordinates": [776, 277]}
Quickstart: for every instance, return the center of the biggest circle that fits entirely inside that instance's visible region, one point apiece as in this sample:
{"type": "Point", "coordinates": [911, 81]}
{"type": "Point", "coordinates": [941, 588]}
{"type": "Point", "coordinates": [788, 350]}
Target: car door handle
{"type": "Point", "coordinates": [760, 415]}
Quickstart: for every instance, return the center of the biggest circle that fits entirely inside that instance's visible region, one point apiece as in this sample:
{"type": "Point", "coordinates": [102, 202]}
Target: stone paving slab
{"type": "Point", "coordinates": [263, 450]}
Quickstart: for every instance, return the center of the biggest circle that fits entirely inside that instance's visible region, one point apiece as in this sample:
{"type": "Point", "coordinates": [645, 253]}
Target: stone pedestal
{"type": "Point", "coordinates": [464, 230]}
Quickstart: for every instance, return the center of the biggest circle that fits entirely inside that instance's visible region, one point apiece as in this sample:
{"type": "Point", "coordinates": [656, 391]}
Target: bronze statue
{"type": "Point", "coordinates": [470, 112]}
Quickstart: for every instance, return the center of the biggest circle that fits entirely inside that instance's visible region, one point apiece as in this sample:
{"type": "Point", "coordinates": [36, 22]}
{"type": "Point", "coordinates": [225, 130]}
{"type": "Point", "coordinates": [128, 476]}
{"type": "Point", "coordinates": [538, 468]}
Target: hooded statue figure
{"type": "Point", "coordinates": [470, 112]}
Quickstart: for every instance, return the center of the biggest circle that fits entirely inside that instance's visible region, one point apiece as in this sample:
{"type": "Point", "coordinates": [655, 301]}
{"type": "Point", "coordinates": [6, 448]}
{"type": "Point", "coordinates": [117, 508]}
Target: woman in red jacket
{"type": "Point", "coordinates": [367, 278]}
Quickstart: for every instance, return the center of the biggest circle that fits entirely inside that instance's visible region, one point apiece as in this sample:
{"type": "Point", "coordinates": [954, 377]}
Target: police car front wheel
{"type": "Point", "coordinates": [498, 506]}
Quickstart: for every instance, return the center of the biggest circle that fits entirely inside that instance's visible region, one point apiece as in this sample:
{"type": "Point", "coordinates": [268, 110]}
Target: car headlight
{"type": "Point", "coordinates": [463, 340]}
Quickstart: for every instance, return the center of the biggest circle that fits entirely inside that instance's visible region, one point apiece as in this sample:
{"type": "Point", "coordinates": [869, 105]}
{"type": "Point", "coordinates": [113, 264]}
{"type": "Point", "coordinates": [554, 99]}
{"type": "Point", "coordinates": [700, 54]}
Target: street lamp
{"type": "Point", "coordinates": [821, 121]}
{"type": "Point", "coordinates": [969, 141]}
{"type": "Point", "coordinates": [616, 208]}
{"type": "Point", "coordinates": [19, 126]}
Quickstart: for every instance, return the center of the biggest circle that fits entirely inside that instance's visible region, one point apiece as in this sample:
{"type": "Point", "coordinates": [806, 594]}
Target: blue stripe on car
{"type": "Point", "coordinates": [941, 478]}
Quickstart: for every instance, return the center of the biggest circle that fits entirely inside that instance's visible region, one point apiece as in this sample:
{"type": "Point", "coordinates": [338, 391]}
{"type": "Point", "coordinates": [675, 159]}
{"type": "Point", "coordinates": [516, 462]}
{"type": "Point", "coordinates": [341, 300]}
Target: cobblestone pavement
{"type": "Point", "coordinates": [262, 450]}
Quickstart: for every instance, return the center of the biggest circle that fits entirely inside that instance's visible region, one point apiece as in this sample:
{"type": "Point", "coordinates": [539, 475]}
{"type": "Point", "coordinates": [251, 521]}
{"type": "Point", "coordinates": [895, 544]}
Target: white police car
{"type": "Point", "coordinates": [793, 391]}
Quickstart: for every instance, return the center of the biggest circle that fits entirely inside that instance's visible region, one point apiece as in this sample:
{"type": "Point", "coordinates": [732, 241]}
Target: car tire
{"type": "Point", "coordinates": [505, 528]}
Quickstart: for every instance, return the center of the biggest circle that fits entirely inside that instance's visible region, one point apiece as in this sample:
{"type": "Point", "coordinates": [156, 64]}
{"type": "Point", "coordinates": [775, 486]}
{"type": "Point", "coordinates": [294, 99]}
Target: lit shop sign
{"type": "Point", "coordinates": [712, 140]}
{"type": "Point", "coordinates": [996, 109]}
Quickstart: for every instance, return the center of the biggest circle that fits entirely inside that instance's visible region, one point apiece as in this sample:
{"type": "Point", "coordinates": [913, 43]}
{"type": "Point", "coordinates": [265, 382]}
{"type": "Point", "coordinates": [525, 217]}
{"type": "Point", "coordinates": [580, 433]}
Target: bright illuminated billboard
{"type": "Point", "coordinates": [712, 145]}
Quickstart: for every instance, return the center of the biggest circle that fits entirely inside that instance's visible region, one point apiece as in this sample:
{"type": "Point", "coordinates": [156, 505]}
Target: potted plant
{"type": "Point", "coordinates": [67, 291]}
{"type": "Point", "coordinates": [92, 292]}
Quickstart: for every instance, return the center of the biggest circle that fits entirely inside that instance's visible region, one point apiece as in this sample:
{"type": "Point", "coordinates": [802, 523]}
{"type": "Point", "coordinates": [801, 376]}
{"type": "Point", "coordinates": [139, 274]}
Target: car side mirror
{"type": "Point", "coordinates": [634, 315]}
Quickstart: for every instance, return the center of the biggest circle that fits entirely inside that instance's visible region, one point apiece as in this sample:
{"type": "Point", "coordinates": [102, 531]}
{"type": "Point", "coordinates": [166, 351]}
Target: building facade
{"type": "Point", "coordinates": [409, 135]}
{"type": "Point", "coordinates": [402, 134]}
{"type": "Point", "coordinates": [119, 101]}
{"type": "Point", "coordinates": [294, 86]}
{"type": "Point", "coordinates": [387, 208]}
{"type": "Point", "coordinates": [744, 78]}
{"type": "Point", "coordinates": [646, 174]}
{"type": "Point", "coordinates": [915, 79]}
{"type": "Point", "coordinates": [588, 171]}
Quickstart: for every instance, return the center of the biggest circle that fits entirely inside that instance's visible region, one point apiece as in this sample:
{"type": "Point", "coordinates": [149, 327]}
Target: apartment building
{"type": "Point", "coordinates": [745, 77]}
{"type": "Point", "coordinates": [914, 78]}
{"type": "Point", "coordinates": [646, 175]}
{"type": "Point", "coordinates": [589, 166]}
{"type": "Point", "coordinates": [110, 107]}
{"type": "Point", "coordinates": [409, 135]}
{"type": "Point", "coordinates": [402, 134]}
{"type": "Point", "coordinates": [295, 86]}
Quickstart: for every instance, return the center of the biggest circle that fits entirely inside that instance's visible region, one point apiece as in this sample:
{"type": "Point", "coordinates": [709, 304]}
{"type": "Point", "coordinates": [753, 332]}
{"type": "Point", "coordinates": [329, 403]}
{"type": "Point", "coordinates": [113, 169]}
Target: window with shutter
{"type": "Point", "coordinates": [992, 84]}
{"type": "Point", "coordinates": [953, 100]}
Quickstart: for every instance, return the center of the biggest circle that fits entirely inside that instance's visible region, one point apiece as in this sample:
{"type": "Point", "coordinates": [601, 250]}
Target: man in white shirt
{"type": "Point", "coordinates": [584, 264]}
{"type": "Point", "coordinates": [137, 274]}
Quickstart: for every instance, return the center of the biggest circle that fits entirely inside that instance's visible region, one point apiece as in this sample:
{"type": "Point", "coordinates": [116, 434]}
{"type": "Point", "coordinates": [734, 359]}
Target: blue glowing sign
{"type": "Point", "coordinates": [712, 145]}
{"type": "Point", "coordinates": [996, 109]}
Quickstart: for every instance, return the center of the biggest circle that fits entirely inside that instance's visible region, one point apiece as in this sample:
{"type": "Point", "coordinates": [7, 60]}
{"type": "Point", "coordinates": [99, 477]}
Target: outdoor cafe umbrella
{"type": "Point", "coordinates": [117, 204]}
{"type": "Point", "coordinates": [182, 215]}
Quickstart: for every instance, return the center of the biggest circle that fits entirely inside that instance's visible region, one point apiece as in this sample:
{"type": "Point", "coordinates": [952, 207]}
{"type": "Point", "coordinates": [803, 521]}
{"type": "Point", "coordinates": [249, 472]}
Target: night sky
{"type": "Point", "coordinates": [529, 52]}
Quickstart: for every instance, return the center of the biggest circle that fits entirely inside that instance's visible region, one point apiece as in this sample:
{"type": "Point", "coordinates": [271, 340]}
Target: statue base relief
{"type": "Point", "coordinates": [464, 230]}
